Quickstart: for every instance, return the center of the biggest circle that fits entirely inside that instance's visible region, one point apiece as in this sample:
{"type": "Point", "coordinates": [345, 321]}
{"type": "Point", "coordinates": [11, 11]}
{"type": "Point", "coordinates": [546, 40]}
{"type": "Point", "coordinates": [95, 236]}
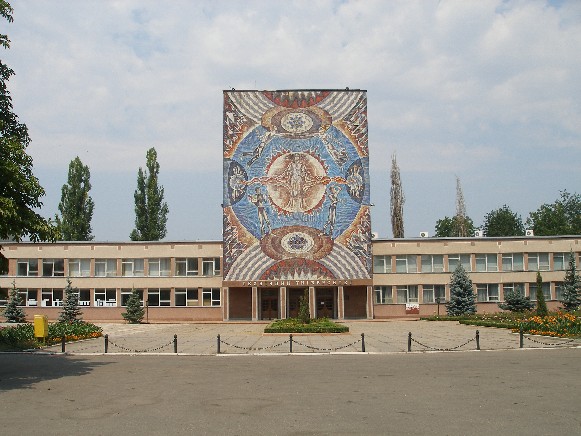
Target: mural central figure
{"type": "Point", "coordinates": [296, 185]}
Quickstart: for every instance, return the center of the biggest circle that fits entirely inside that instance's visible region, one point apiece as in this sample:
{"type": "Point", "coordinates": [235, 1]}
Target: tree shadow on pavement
{"type": "Point", "coordinates": [22, 371]}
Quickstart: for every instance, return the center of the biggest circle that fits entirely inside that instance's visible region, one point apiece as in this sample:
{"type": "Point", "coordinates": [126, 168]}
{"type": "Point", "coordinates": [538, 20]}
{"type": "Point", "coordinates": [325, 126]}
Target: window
{"type": "Point", "coordinates": [158, 267]}
{"type": "Point", "coordinates": [158, 297]}
{"type": "Point", "coordinates": [546, 287]}
{"type": "Point", "coordinates": [84, 296]}
{"type": "Point", "coordinates": [406, 264]}
{"type": "Point", "coordinates": [79, 267]}
{"type": "Point", "coordinates": [211, 296]}
{"type": "Point", "coordinates": [560, 261]}
{"type": "Point", "coordinates": [455, 259]}
{"type": "Point", "coordinates": [126, 293]}
{"type": "Point", "coordinates": [53, 267]}
{"type": "Point", "coordinates": [486, 262]}
{"type": "Point", "coordinates": [511, 287]}
{"type": "Point", "coordinates": [132, 267]}
{"type": "Point", "coordinates": [186, 266]}
{"type": "Point", "coordinates": [105, 267]}
{"type": "Point", "coordinates": [381, 264]}
{"type": "Point", "coordinates": [211, 266]}
{"type": "Point", "coordinates": [383, 294]}
{"type": "Point", "coordinates": [4, 297]}
{"type": "Point", "coordinates": [559, 291]}
{"type": "Point", "coordinates": [407, 294]}
{"type": "Point", "coordinates": [512, 262]}
{"type": "Point", "coordinates": [29, 297]}
{"type": "Point", "coordinates": [538, 261]}
{"type": "Point", "coordinates": [105, 297]}
{"type": "Point", "coordinates": [432, 263]}
{"type": "Point", "coordinates": [187, 297]}
{"type": "Point", "coordinates": [52, 298]}
{"type": "Point", "coordinates": [487, 292]}
{"type": "Point", "coordinates": [27, 267]}
{"type": "Point", "coordinates": [431, 292]}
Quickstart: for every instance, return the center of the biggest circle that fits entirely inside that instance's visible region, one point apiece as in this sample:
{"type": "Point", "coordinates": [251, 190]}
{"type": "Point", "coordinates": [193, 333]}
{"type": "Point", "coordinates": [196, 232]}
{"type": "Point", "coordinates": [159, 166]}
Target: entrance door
{"type": "Point", "coordinates": [269, 304]}
{"type": "Point", "coordinates": [293, 301]}
{"type": "Point", "coordinates": [325, 302]}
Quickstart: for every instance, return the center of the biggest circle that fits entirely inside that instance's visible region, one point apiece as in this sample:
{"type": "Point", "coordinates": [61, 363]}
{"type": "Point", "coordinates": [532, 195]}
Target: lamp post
{"type": "Point", "coordinates": [147, 311]}
{"type": "Point", "coordinates": [438, 303]}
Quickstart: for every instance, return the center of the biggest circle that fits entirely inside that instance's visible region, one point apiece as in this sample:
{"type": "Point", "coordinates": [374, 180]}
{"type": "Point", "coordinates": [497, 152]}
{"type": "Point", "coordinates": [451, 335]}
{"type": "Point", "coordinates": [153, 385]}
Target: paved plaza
{"type": "Point", "coordinates": [249, 338]}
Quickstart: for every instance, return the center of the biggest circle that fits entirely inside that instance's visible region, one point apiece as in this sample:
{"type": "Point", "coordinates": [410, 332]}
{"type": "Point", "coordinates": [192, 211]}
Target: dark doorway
{"type": "Point", "coordinates": [240, 303]}
{"type": "Point", "coordinates": [325, 302]}
{"type": "Point", "coordinates": [355, 298]}
{"type": "Point", "coordinates": [293, 301]}
{"type": "Point", "coordinates": [269, 303]}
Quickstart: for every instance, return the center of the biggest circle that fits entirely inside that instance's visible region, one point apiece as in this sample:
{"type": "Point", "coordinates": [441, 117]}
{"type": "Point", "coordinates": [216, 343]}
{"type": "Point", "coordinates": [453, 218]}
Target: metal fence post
{"type": "Point", "coordinates": [106, 343]}
{"type": "Point", "coordinates": [63, 342]}
{"type": "Point", "coordinates": [218, 344]}
{"type": "Point", "coordinates": [175, 344]}
{"type": "Point", "coordinates": [520, 333]}
{"type": "Point", "coordinates": [410, 341]}
{"type": "Point", "coordinates": [363, 342]}
{"type": "Point", "coordinates": [477, 340]}
{"type": "Point", "coordinates": [290, 341]}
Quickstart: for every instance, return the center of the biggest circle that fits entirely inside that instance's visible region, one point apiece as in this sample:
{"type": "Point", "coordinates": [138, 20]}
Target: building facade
{"type": "Point", "coordinates": [184, 281]}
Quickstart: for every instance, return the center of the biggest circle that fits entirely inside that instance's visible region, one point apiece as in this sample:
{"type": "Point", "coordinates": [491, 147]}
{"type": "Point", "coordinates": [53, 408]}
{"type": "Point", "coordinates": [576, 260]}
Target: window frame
{"type": "Point", "coordinates": [382, 294]}
{"type": "Point", "coordinates": [537, 256]}
{"type": "Point", "coordinates": [79, 267]}
{"type": "Point", "coordinates": [490, 297]}
{"type": "Point", "coordinates": [409, 290]}
{"type": "Point", "coordinates": [382, 264]}
{"type": "Point", "coordinates": [215, 266]}
{"type": "Point", "coordinates": [134, 266]}
{"type": "Point", "coordinates": [410, 267]}
{"type": "Point", "coordinates": [430, 265]}
{"type": "Point", "coordinates": [459, 258]}
{"type": "Point", "coordinates": [188, 270]}
{"type": "Point", "coordinates": [30, 272]}
{"type": "Point", "coordinates": [431, 289]}
{"type": "Point", "coordinates": [510, 259]}
{"type": "Point", "coordinates": [489, 264]}
{"type": "Point", "coordinates": [209, 294]}
{"type": "Point", "coordinates": [52, 264]}
{"type": "Point", "coordinates": [110, 267]}
{"type": "Point", "coordinates": [162, 264]}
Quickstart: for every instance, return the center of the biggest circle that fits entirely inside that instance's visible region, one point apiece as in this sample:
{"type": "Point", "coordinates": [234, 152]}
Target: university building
{"type": "Point", "coordinates": [296, 221]}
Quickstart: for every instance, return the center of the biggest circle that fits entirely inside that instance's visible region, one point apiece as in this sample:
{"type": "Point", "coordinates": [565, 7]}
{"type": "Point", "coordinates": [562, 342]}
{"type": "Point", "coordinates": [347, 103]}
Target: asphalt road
{"type": "Point", "coordinates": [530, 391]}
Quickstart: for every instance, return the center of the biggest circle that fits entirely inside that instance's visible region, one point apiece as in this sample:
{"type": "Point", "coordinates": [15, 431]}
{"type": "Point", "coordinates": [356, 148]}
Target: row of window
{"type": "Point", "coordinates": [108, 297]}
{"type": "Point", "coordinates": [485, 292]}
{"type": "Point", "coordinates": [156, 267]}
{"type": "Point", "coordinates": [483, 262]}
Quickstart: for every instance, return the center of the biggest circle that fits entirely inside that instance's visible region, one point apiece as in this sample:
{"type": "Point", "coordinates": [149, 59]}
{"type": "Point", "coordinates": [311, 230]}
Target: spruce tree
{"type": "Point", "coordinates": [134, 310]}
{"type": "Point", "coordinates": [71, 311]}
{"type": "Point", "coordinates": [571, 286]}
{"type": "Point", "coordinates": [541, 304]}
{"type": "Point", "coordinates": [515, 301]}
{"type": "Point", "coordinates": [13, 311]}
{"type": "Point", "coordinates": [150, 209]}
{"type": "Point", "coordinates": [462, 298]}
{"type": "Point", "coordinates": [76, 206]}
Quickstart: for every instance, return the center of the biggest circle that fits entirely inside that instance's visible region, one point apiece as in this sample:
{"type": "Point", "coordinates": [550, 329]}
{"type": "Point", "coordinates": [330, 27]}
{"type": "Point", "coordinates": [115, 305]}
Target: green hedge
{"type": "Point", "coordinates": [294, 325]}
{"type": "Point", "coordinates": [21, 336]}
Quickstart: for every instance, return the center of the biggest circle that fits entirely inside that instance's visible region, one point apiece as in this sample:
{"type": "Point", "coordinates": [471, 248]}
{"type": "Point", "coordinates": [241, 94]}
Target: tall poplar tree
{"type": "Point", "coordinates": [150, 209]}
{"type": "Point", "coordinates": [76, 206]}
{"type": "Point", "coordinates": [20, 191]}
{"type": "Point", "coordinates": [397, 200]}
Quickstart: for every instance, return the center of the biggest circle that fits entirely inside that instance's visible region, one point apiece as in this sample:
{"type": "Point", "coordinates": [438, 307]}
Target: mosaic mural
{"type": "Point", "coordinates": [296, 185]}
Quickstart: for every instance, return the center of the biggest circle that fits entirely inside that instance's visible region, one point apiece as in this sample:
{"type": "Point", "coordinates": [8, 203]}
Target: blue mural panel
{"type": "Point", "coordinates": [296, 185]}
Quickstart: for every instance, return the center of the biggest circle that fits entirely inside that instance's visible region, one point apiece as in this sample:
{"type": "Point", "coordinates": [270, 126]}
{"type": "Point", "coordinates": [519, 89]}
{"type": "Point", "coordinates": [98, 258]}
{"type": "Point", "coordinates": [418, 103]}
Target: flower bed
{"type": "Point", "coordinates": [294, 325]}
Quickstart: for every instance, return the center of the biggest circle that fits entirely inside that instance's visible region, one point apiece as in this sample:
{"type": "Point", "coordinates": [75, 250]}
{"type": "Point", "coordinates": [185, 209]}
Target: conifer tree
{"type": "Point", "coordinates": [304, 308]}
{"type": "Point", "coordinates": [571, 286]}
{"type": "Point", "coordinates": [397, 200]}
{"type": "Point", "coordinates": [71, 311]}
{"type": "Point", "coordinates": [462, 298]}
{"type": "Point", "coordinates": [150, 209]}
{"type": "Point", "coordinates": [541, 304]}
{"type": "Point", "coordinates": [76, 206]}
{"type": "Point", "coordinates": [13, 311]}
{"type": "Point", "coordinates": [134, 311]}
{"type": "Point", "coordinates": [515, 301]}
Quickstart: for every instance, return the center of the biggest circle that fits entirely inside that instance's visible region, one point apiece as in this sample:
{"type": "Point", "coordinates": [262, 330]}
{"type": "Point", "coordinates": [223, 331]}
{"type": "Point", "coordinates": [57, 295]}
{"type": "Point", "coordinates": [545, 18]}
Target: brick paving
{"type": "Point", "coordinates": [248, 338]}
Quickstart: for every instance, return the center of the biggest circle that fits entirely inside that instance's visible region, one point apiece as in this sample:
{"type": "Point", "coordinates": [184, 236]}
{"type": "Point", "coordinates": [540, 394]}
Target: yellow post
{"type": "Point", "coordinates": [41, 326]}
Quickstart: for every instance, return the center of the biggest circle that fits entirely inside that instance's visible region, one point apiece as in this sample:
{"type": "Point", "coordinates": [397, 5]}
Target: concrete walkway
{"type": "Point", "coordinates": [249, 338]}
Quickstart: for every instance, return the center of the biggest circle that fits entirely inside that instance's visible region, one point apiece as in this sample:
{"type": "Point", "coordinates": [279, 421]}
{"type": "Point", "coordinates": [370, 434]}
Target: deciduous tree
{"type": "Point", "coordinates": [76, 206]}
{"type": "Point", "coordinates": [503, 222]}
{"type": "Point", "coordinates": [150, 209]}
{"type": "Point", "coordinates": [563, 217]}
{"type": "Point", "coordinates": [452, 227]}
{"type": "Point", "coordinates": [20, 191]}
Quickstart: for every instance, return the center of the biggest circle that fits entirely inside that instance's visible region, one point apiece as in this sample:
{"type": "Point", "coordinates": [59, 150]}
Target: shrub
{"type": "Point", "coordinates": [515, 301]}
{"type": "Point", "coordinates": [295, 325]}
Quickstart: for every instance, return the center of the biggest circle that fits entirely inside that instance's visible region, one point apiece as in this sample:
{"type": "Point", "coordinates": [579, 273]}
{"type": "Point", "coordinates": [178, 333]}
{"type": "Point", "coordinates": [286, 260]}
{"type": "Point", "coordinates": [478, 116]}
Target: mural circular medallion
{"type": "Point", "coordinates": [296, 122]}
{"type": "Point", "coordinates": [297, 242]}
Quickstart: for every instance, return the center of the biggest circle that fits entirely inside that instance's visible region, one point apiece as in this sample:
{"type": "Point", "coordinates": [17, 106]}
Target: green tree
{"type": "Point", "coordinates": [397, 200]}
{"type": "Point", "coordinates": [304, 308]}
{"type": "Point", "coordinates": [515, 301]}
{"type": "Point", "coordinates": [134, 310]}
{"type": "Point", "coordinates": [571, 286]}
{"type": "Point", "coordinates": [71, 311]}
{"type": "Point", "coordinates": [13, 311]}
{"type": "Point", "coordinates": [563, 217]}
{"type": "Point", "coordinates": [541, 304]}
{"type": "Point", "coordinates": [20, 191]}
{"type": "Point", "coordinates": [150, 209]}
{"type": "Point", "coordinates": [462, 298]}
{"type": "Point", "coordinates": [76, 206]}
{"type": "Point", "coordinates": [453, 227]}
{"type": "Point", "coordinates": [503, 222]}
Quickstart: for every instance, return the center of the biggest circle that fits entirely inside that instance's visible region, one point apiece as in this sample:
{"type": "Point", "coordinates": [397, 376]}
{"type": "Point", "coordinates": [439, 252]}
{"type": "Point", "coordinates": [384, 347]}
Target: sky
{"type": "Point", "coordinates": [488, 91]}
